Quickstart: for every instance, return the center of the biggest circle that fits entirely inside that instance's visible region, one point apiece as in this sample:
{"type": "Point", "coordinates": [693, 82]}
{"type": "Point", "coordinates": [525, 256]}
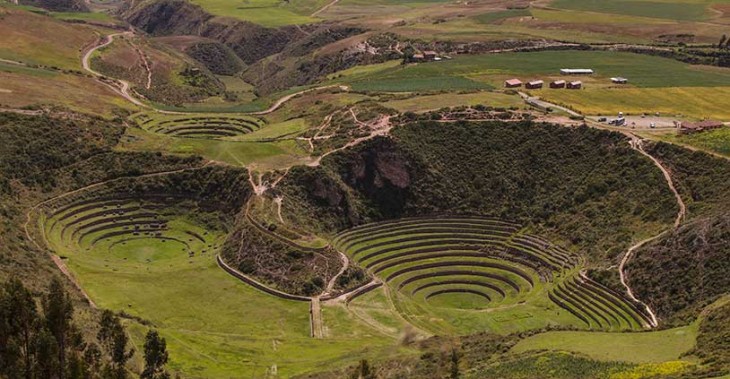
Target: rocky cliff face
{"type": "Point", "coordinates": [249, 41]}
{"type": "Point", "coordinates": [295, 55]}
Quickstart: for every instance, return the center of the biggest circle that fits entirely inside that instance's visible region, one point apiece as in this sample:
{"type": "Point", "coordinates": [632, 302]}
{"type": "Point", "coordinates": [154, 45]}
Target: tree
{"type": "Point", "coordinates": [112, 335]}
{"type": "Point", "coordinates": [59, 312]}
{"type": "Point", "coordinates": [454, 364]}
{"type": "Point", "coordinates": [155, 357]}
{"type": "Point", "coordinates": [364, 371]}
{"type": "Point", "coordinates": [723, 39]}
{"type": "Point", "coordinates": [19, 327]}
{"type": "Point", "coordinates": [47, 355]}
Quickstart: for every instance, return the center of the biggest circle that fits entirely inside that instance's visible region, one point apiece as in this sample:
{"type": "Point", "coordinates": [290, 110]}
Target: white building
{"type": "Point", "coordinates": [576, 71]}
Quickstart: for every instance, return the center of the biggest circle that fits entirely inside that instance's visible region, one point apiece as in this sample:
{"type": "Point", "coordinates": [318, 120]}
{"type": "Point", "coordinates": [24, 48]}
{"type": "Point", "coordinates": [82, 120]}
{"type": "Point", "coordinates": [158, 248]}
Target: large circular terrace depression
{"type": "Point", "coordinates": [212, 126]}
{"type": "Point", "coordinates": [481, 264]}
{"type": "Point", "coordinates": [109, 226]}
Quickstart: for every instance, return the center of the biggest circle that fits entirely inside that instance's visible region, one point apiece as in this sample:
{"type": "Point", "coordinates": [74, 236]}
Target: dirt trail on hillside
{"type": "Point", "coordinates": [122, 86]}
{"type": "Point", "coordinates": [286, 98]}
{"type": "Point", "coordinates": [333, 280]}
{"type": "Point", "coordinates": [380, 127]}
{"type": "Point", "coordinates": [637, 144]}
{"type": "Point", "coordinates": [145, 65]}
{"type": "Point", "coordinates": [324, 8]}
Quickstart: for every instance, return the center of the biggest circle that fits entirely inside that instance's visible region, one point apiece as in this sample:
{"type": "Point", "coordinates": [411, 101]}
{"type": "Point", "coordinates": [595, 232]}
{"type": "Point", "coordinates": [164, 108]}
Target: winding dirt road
{"type": "Point", "coordinates": [637, 144]}
{"type": "Point", "coordinates": [122, 86]}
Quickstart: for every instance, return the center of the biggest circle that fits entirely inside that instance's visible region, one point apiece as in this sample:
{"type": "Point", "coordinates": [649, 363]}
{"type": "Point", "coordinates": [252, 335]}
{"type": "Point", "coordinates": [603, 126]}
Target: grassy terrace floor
{"type": "Point", "coordinates": [463, 275]}
{"type": "Point", "coordinates": [216, 326]}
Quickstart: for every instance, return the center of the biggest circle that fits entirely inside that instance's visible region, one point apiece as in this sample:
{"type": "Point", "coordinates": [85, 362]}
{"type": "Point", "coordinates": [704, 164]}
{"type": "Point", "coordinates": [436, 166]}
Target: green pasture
{"type": "Point", "coordinates": [435, 102]}
{"type": "Point", "coordinates": [693, 10]}
{"type": "Point", "coordinates": [240, 153]}
{"type": "Point", "coordinates": [682, 102]}
{"type": "Point", "coordinates": [492, 17]}
{"type": "Point", "coordinates": [215, 325]}
{"type": "Point", "coordinates": [472, 29]}
{"type": "Point", "coordinates": [635, 347]}
{"type": "Point", "coordinates": [489, 70]}
{"type": "Point", "coordinates": [269, 13]}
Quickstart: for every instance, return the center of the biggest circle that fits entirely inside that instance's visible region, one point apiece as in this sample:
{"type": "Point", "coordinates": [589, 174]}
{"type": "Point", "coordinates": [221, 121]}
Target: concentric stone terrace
{"type": "Point", "coordinates": [199, 126]}
{"type": "Point", "coordinates": [596, 305]}
{"type": "Point", "coordinates": [110, 221]}
{"type": "Point", "coordinates": [491, 262]}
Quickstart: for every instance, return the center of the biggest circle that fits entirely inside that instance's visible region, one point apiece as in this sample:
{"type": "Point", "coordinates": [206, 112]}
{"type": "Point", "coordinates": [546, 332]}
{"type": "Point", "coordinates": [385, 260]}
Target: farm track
{"type": "Point", "coordinates": [123, 87]}
{"type": "Point", "coordinates": [637, 144]}
{"type": "Point", "coordinates": [146, 66]}
{"type": "Point", "coordinates": [324, 8]}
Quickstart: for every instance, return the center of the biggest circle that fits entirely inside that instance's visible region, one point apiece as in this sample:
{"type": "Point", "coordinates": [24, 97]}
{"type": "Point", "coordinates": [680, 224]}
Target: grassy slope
{"type": "Point", "coordinates": [647, 347]}
{"type": "Point", "coordinates": [216, 326]}
{"type": "Point", "coordinates": [271, 13]}
{"type": "Point", "coordinates": [42, 40]}
{"type": "Point", "coordinates": [434, 102]}
{"type": "Point", "coordinates": [694, 10]}
{"type": "Point", "coordinates": [20, 87]}
{"type": "Point", "coordinates": [717, 141]}
{"type": "Point", "coordinates": [238, 153]}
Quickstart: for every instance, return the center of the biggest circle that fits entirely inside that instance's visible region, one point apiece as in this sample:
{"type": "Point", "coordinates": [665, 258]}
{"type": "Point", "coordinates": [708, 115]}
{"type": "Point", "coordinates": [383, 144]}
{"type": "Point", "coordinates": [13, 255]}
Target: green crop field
{"type": "Point", "coordinates": [692, 102]}
{"type": "Point", "coordinates": [475, 71]}
{"type": "Point", "coordinates": [492, 17]}
{"type": "Point", "coordinates": [673, 10]}
{"type": "Point", "coordinates": [434, 102]}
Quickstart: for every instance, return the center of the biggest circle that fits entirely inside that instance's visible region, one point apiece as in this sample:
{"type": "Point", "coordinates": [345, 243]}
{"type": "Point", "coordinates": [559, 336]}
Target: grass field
{"type": "Point", "coordinates": [215, 326]}
{"type": "Point", "coordinates": [270, 13]}
{"type": "Point", "coordinates": [717, 141]}
{"type": "Point", "coordinates": [674, 10]}
{"type": "Point", "coordinates": [239, 153]}
{"type": "Point", "coordinates": [657, 84]}
{"type": "Point", "coordinates": [42, 40]}
{"type": "Point", "coordinates": [483, 71]}
{"type": "Point", "coordinates": [645, 347]}
{"type": "Point", "coordinates": [692, 102]}
{"type": "Point", "coordinates": [21, 86]}
{"type": "Point", "coordinates": [434, 102]}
